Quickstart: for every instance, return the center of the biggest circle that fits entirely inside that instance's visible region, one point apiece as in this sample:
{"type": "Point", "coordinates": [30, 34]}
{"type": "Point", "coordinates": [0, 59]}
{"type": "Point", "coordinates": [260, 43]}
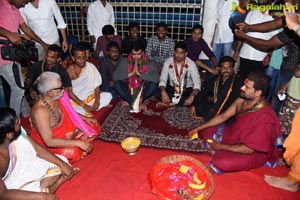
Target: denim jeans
{"type": "Point", "coordinates": [17, 102]}
{"type": "Point", "coordinates": [111, 90]}
{"type": "Point", "coordinates": [273, 73]}
{"type": "Point", "coordinates": [283, 78]}
{"type": "Point", "coordinates": [122, 88]}
{"type": "Point", "coordinates": [222, 49]}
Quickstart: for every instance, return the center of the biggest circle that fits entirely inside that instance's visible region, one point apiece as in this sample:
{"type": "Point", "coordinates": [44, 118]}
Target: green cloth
{"type": "Point", "coordinates": [276, 58]}
{"type": "Point", "coordinates": [294, 88]}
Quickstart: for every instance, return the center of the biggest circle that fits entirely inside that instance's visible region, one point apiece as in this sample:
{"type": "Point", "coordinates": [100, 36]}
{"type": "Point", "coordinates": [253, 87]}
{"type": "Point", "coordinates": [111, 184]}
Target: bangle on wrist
{"type": "Point", "coordinates": [192, 94]}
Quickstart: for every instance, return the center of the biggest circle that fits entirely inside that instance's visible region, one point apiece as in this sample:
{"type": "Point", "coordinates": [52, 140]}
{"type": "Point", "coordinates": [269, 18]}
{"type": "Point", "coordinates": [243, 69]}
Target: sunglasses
{"type": "Point", "coordinates": [58, 88]}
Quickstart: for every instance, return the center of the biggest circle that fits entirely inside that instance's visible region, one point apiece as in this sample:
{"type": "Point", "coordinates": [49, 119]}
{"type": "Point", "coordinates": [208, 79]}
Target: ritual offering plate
{"type": "Point", "coordinates": [181, 177]}
{"type": "Point", "coordinates": [131, 145]}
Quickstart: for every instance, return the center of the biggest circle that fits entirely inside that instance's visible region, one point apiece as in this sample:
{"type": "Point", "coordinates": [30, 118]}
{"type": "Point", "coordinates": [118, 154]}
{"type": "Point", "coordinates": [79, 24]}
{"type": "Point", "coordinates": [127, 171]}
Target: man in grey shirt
{"type": "Point", "coordinates": [135, 78]}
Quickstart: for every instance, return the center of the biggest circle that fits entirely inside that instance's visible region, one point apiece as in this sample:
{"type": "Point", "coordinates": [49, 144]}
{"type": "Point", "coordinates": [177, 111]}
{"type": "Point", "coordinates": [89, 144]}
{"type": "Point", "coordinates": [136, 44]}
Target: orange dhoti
{"type": "Point", "coordinates": [292, 153]}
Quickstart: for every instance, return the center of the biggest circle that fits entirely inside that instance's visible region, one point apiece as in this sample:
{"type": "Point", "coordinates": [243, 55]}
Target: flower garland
{"type": "Point", "coordinates": [178, 76]}
{"type": "Point", "coordinates": [135, 80]}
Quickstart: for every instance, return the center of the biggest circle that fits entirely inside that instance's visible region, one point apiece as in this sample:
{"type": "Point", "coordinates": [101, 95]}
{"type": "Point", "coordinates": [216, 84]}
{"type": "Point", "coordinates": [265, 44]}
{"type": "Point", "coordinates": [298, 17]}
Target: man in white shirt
{"type": "Point", "coordinates": [100, 13]}
{"type": "Point", "coordinates": [223, 36]}
{"type": "Point", "coordinates": [39, 15]}
{"type": "Point", "coordinates": [179, 79]}
{"type": "Point", "coordinates": [253, 59]}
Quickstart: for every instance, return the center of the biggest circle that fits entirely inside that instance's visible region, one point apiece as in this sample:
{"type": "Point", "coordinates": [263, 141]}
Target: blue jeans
{"type": "Point", "coordinates": [283, 78]}
{"type": "Point", "coordinates": [111, 90]}
{"type": "Point", "coordinates": [273, 73]}
{"type": "Point", "coordinates": [222, 49]}
{"type": "Point", "coordinates": [122, 89]}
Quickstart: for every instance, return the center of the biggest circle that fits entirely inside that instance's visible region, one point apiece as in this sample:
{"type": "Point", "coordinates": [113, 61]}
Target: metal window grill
{"type": "Point", "coordinates": [179, 15]}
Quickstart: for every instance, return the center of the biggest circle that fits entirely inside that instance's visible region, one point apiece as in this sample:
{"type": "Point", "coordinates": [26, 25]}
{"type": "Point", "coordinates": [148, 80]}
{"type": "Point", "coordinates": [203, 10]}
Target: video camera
{"type": "Point", "coordinates": [25, 51]}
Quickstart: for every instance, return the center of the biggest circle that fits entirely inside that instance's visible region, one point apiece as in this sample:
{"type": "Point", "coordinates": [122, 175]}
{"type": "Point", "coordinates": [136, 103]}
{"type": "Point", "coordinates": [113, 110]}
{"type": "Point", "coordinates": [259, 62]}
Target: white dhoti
{"type": "Point", "coordinates": [84, 88]}
{"type": "Point", "coordinates": [26, 169]}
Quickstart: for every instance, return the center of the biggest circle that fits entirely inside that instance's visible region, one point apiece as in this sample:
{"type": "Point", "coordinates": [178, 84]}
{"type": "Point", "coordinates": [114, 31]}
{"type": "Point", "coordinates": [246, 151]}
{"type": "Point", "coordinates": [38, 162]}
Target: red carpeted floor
{"type": "Point", "coordinates": [110, 174]}
{"type": "Point", "coordinates": [156, 127]}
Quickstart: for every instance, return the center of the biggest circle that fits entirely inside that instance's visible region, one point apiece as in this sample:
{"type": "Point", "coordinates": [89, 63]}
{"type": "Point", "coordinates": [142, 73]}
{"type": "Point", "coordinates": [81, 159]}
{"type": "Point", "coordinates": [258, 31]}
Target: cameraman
{"type": "Point", "coordinates": [10, 21]}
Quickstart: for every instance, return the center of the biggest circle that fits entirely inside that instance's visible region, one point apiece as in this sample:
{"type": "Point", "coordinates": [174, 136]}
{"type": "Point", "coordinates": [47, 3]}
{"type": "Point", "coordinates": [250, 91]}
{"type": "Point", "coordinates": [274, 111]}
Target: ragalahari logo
{"type": "Point", "coordinates": [271, 7]}
{"type": "Point", "coordinates": [263, 8]}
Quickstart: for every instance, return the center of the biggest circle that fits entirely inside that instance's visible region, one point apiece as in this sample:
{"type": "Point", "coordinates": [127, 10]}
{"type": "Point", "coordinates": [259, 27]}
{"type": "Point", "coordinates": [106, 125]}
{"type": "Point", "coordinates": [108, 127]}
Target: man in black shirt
{"type": "Point", "coordinates": [50, 63]}
{"type": "Point", "coordinates": [134, 35]}
{"type": "Point", "coordinates": [219, 94]}
{"type": "Point", "coordinates": [108, 66]}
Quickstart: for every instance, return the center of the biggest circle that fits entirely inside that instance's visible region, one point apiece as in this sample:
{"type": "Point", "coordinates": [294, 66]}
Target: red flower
{"type": "Point", "coordinates": [134, 80]}
{"type": "Point", "coordinates": [143, 69]}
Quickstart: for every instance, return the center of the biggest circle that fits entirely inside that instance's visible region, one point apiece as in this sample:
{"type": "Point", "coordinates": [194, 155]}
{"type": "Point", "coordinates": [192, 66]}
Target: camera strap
{"type": "Point", "coordinates": [16, 73]}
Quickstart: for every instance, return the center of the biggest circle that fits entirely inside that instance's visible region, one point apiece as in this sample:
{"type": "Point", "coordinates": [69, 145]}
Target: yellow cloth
{"type": "Point", "coordinates": [292, 145]}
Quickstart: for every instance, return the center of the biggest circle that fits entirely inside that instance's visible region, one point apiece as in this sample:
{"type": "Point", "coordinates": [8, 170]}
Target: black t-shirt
{"type": "Point", "coordinates": [107, 69]}
{"type": "Point", "coordinates": [126, 45]}
{"type": "Point", "coordinates": [291, 50]}
{"type": "Point", "coordinates": [38, 67]}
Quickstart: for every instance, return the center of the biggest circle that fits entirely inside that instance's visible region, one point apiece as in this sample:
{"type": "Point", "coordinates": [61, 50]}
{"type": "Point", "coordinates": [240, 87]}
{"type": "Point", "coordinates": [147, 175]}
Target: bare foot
{"type": "Point", "coordinates": [143, 107]}
{"type": "Point", "coordinates": [281, 162]}
{"type": "Point", "coordinates": [125, 104]}
{"type": "Point", "coordinates": [108, 106]}
{"type": "Point", "coordinates": [212, 152]}
{"type": "Point", "coordinates": [198, 118]}
{"type": "Point", "coordinates": [172, 104]}
{"type": "Point", "coordinates": [162, 104]}
{"type": "Point", "coordinates": [91, 138]}
{"type": "Point", "coordinates": [84, 154]}
{"type": "Point", "coordinates": [282, 183]}
{"type": "Point", "coordinates": [76, 171]}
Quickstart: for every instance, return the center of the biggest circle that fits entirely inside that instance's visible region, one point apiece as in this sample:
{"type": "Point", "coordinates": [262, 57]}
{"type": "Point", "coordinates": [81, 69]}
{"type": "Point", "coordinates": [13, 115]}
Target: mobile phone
{"type": "Point", "coordinates": [282, 96]}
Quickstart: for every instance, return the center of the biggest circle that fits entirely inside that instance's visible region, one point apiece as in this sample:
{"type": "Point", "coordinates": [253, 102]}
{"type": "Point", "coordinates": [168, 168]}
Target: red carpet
{"type": "Point", "coordinates": [156, 127]}
{"type": "Point", "coordinates": [110, 174]}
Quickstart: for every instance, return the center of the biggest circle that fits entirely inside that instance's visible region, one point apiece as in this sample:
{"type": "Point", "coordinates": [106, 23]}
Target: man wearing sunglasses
{"type": "Point", "coordinates": [56, 125]}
